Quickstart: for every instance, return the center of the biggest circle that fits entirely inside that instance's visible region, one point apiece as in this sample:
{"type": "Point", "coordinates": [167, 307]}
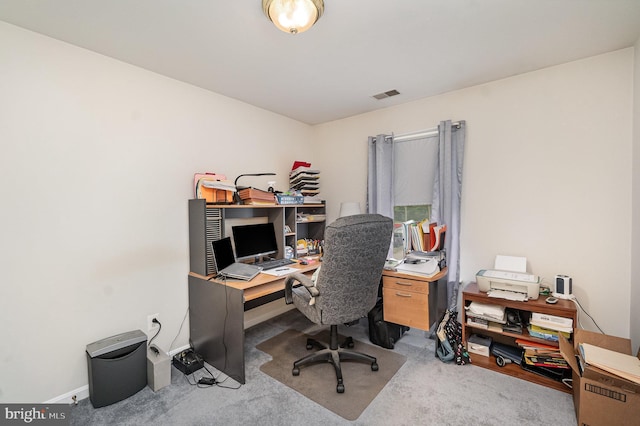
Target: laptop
{"type": "Point", "coordinates": [226, 265]}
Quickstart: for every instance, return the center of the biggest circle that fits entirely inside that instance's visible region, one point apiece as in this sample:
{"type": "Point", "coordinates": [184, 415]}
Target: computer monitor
{"type": "Point", "coordinates": [254, 241]}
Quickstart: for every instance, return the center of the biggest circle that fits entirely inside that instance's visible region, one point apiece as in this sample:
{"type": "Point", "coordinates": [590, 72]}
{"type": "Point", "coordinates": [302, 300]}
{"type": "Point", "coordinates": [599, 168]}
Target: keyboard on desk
{"type": "Point", "coordinates": [270, 264]}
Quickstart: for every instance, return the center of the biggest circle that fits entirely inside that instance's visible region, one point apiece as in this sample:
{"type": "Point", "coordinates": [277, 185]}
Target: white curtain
{"type": "Point", "coordinates": [447, 194]}
{"type": "Point", "coordinates": [447, 189]}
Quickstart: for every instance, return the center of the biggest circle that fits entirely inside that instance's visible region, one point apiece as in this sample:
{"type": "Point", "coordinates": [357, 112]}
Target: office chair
{"type": "Point", "coordinates": [346, 288]}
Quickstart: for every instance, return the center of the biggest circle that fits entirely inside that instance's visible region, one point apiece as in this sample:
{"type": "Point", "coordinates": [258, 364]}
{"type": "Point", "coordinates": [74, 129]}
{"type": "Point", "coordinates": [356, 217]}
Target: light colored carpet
{"type": "Point", "coordinates": [425, 391]}
{"type": "Point", "coordinates": [318, 382]}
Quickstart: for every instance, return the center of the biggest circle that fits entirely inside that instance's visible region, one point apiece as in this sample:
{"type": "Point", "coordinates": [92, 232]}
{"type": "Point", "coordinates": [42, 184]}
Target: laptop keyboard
{"type": "Point", "coordinates": [270, 264]}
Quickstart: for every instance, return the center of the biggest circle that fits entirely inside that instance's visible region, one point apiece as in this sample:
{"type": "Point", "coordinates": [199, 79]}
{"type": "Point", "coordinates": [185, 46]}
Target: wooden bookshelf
{"type": "Point", "coordinates": [564, 308]}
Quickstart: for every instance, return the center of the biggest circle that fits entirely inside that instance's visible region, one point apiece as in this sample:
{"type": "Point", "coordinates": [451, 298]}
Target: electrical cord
{"type": "Point", "coordinates": [180, 329]}
{"type": "Point", "coordinates": [155, 320]}
{"type": "Point", "coordinates": [206, 382]}
{"type": "Point", "coordinates": [577, 302]}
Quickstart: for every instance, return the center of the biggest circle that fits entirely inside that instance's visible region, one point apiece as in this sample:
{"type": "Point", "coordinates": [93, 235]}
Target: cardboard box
{"type": "Point", "coordinates": [601, 398]}
{"type": "Point", "coordinates": [479, 344]}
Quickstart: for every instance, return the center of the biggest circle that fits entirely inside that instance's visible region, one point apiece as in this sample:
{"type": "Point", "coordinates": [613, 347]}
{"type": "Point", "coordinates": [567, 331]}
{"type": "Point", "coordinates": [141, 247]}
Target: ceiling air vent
{"type": "Point", "coordinates": [387, 94]}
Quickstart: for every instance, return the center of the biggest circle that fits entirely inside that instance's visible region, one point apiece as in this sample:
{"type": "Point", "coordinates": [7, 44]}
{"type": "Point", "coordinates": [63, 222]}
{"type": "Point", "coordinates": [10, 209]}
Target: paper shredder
{"type": "Point", "coordinates": [117, 367]}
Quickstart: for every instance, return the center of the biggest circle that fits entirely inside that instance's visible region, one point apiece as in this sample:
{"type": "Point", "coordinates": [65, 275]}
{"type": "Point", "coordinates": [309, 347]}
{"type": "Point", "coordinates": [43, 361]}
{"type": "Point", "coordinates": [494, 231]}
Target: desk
{"type": "Point", "coordinates": [216, 315]}
{"type": "Point", "coordinates": [413, 300]}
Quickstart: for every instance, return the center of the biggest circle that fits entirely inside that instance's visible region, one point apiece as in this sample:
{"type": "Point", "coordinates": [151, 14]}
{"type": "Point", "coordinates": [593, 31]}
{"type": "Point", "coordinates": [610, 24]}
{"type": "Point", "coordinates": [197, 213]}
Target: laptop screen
{"type": "Point", "coordinates": [222, 253]}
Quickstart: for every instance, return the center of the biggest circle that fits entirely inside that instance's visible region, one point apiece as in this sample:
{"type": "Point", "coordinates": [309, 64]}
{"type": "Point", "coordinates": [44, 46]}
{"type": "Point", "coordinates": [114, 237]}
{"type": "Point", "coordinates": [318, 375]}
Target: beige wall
{"type": "Point", "coordinates": [96, 170]}
{"type": "Point", "coordinates": [97, 157]}
{"type": "Point", "coordinates": [635, 248]}
{"type": "Point", "coordinates": [547, 173]}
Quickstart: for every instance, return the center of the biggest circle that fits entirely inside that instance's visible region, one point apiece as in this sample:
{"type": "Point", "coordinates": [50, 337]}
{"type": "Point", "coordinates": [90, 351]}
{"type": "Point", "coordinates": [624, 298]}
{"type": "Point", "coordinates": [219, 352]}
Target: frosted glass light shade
{"type": "Point", "coordinates": [293, 16]}
{"type": "Point", "coordinates": [349, 208]}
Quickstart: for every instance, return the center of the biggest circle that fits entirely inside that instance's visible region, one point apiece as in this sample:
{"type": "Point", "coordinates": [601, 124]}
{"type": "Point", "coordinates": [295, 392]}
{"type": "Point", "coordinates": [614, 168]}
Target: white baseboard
{"type": "Point", "coordinates": [252, 317]}
{"type": "Point", "coordinates": [175, 351]}
{"type": "Point", "coordinates": [83, 391]}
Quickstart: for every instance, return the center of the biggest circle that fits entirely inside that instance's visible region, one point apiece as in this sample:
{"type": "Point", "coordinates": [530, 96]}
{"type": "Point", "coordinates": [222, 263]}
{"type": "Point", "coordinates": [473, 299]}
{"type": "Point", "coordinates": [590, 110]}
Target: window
{"type": "Point", "coordinates": [414, 169]}
{"type": "Point", "coordinates": [417, 213]}
{"type": "Point", "coordinates": [414, 172]}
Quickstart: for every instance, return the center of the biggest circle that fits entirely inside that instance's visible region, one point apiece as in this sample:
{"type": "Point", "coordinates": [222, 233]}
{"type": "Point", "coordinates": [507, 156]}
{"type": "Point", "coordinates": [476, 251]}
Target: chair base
{"type": "Point", "coordinates": [334, 354]}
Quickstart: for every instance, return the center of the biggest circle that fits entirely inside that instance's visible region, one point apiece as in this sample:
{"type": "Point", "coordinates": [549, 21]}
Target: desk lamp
{"type": "Point", "coordinates": [235, 182]}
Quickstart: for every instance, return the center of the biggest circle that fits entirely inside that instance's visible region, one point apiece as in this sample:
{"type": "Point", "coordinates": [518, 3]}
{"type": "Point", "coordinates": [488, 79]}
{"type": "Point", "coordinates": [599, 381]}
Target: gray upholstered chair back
{"type": "Point", "coordinates": [355, 251]}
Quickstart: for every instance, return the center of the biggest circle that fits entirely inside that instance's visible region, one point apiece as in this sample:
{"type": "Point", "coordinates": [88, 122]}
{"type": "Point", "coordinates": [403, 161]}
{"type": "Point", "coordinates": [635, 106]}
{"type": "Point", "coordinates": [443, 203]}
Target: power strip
{"type": "Point", "coordinates": [188, 361]}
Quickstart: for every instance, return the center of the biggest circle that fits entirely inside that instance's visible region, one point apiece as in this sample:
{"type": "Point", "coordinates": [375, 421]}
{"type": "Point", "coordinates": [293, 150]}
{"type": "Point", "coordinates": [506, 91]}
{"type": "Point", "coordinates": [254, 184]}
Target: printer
{"type": "Point", "coordinates": [508, 284]}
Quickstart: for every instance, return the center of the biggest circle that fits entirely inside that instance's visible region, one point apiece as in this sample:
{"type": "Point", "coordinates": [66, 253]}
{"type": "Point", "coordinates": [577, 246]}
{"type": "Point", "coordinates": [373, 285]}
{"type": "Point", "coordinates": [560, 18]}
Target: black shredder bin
{"type": "Point", "coordinates": [117, 367]}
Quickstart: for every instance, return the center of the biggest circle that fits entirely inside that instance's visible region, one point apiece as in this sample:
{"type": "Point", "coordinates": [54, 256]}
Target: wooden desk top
{"type": "Point", "coordinates": [262, 284]}
{"type": "Point", "coordinates": [436, 277]}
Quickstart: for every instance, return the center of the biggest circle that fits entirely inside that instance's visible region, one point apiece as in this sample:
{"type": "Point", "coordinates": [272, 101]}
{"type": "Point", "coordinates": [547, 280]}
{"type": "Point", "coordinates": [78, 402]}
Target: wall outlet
{"type": "Point", "coordinates": [151, 326]}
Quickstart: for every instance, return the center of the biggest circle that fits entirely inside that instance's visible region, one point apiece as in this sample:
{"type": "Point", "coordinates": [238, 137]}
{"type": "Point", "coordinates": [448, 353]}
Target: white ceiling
{"type": "Point", "coordinates": [357, 49]}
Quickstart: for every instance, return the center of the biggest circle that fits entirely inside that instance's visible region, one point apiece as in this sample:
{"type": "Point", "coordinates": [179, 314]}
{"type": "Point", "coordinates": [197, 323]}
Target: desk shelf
{"type": "Point", "coordinates": [564, 308]}
{"type": "Point", "coordinates": [209, 222]}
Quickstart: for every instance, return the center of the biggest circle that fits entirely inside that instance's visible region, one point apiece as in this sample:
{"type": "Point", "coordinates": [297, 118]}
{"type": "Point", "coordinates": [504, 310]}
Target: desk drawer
{"type": "Point", "coordinates": [405, 307]}
{"type": "Point", "coordinates": [405, 284]}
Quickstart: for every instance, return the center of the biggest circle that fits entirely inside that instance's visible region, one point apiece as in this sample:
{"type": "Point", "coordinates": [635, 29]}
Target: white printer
{"type": "Point", "coordinates": [508, 285]}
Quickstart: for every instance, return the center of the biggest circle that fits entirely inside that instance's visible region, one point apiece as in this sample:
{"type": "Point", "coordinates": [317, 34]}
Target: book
{"type": "Point", "coordinates": [554, 360]}
{"type": "Point", "coordinates": [545, 333]}
{"type": "Point", "coordinates": [406, 235]}
{"type": "Point", "coordinates": [552, 322]}
{"type": "Point", "coordinates": [417, 241]}
{"type": "Point", "coordinates": [256, 195]}
{"type": "Point", "coordinates": [535, 347]}
{"type": "Point", "coordinates": [436, 236]}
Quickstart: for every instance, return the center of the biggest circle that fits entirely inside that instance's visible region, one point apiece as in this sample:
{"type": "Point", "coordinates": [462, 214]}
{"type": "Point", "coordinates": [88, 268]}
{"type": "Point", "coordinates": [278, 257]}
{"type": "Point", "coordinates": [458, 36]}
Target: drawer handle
{"type": "Point", "coordinates": [402, 294]}
{"type": "Point", "coordinates": [404, 284]}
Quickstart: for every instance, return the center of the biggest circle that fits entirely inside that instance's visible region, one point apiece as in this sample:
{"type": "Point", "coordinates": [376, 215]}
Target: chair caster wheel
{"type": "Point", "coordinates": [374, 366]}
{"type": "Point", "coordinates": [340, 388]}
{"type": "Point", "coordinates": [295, 371]}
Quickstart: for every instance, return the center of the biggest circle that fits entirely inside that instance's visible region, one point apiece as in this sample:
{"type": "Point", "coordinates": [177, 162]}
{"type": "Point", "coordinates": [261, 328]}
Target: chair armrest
{"type": "Point", "coordinates": [298, 278]}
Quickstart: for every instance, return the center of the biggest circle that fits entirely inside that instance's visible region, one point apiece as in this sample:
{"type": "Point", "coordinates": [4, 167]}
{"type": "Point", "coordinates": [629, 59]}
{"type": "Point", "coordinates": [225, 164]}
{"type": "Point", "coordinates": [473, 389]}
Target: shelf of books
{"type": "Point", "coordinates": [519, 339]}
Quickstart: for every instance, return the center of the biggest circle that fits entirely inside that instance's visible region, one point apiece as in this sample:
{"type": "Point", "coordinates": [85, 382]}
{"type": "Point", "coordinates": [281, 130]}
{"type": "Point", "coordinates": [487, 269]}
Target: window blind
{"type": "Point", "coordinates": [415, 162]}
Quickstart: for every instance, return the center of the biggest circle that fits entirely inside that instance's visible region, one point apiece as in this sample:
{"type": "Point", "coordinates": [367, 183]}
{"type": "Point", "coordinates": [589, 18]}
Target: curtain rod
{"type": "Point", "coordinates": [420, 134]}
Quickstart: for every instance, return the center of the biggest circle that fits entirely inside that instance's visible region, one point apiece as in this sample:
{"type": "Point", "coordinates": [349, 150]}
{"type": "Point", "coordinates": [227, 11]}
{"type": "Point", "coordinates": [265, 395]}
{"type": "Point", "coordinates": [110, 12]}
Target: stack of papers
{"type": "Point", "coordinates": [213, 187]}
{"type": "Point", "coordinates": [546, 333]}
{"type": "Point", "coordinates": [426, 268]}
{"type": "Point", "coordinates": [625, 366]}
{"type": "Point", "coordinates": [508, 295]}
{"type": "Point", "coordinates": [486, 311]}
{"type": "Point", "coordinates": [304, 180]}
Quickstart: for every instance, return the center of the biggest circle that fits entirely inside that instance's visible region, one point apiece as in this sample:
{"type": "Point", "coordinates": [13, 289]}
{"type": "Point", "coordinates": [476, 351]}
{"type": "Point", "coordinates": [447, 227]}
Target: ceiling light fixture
{"type": "Point", "coordinates": [293, 16]}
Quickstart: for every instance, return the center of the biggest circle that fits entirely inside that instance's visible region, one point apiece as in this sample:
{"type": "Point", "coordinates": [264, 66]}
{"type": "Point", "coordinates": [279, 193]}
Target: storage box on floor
{"type": "Point", "coordinates": [601, 398]}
